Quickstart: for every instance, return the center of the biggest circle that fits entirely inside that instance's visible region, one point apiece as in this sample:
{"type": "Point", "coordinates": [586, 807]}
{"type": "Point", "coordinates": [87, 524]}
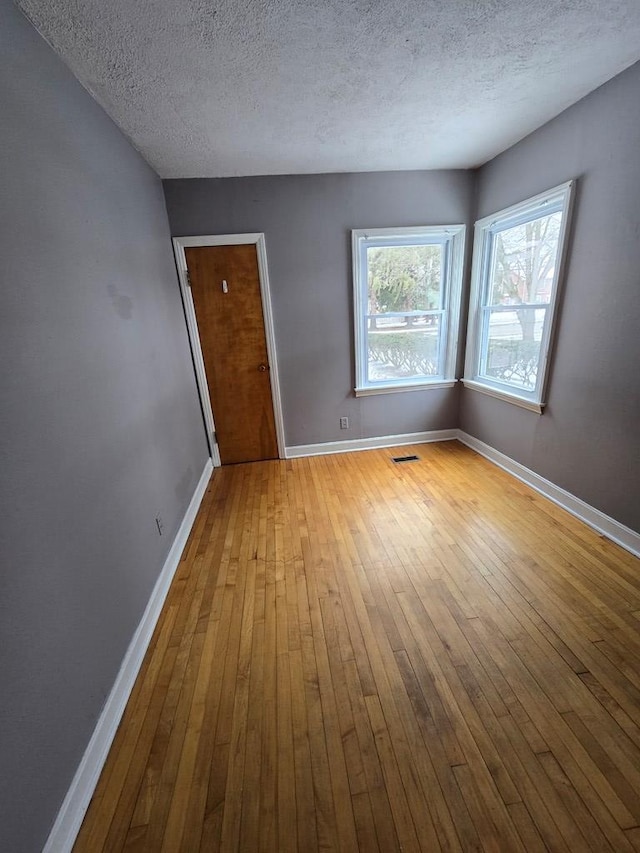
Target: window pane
{"type": "Point", "coordinates": [512, 346]}
{"type": "Point", "coordinates": [403, 347]}
{"type": "Point", "coordinates": [407, 288]}
{"type": "Point", "coordinates": [404, 278]}
{"type": "Point", "coordinates": [523, 262]}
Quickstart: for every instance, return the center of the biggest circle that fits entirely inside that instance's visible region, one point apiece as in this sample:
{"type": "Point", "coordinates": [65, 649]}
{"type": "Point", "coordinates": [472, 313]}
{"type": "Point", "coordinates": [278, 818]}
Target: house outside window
{"type": "Point", "coordinates": [517, 265]}
{"type": "Point", "coordinates": [407, 285]}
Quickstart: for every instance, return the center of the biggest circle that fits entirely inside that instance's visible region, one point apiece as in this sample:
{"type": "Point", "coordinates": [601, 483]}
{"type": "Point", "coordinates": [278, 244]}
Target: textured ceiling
{"type": "Point", "coordinates": [247, 87]}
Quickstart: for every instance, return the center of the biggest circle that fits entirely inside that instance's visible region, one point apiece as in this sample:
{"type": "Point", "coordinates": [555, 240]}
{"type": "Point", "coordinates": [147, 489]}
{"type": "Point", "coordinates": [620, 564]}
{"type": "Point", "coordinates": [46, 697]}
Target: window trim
{"type": "Point", "coordinates": [454, 241]}
{"type": "Point", "coordinates": [516, 214]}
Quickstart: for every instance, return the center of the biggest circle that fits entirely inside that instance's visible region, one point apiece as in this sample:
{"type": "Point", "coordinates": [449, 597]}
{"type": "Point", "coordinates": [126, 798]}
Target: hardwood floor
{"type": "Point", "coordinates": [363, 655]}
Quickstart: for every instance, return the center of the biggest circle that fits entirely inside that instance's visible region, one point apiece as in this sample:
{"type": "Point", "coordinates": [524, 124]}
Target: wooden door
{"type": "Point", "coordinates": [225, 287]}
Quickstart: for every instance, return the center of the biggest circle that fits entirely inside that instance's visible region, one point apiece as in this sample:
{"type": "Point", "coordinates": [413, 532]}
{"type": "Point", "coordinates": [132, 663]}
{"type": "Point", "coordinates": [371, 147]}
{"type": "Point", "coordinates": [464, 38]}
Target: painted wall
{"type": "Point", "coordinates": [588, 439]}
{"type": "Point", "coordinates": [100, 427]}
{"type": "Point", "coordinates": [307, 221]}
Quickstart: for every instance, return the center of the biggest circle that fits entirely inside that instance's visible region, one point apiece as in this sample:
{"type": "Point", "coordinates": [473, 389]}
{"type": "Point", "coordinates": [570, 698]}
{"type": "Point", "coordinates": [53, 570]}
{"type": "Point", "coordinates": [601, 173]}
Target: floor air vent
{"type": "Point", "coordinates": [405, 458]}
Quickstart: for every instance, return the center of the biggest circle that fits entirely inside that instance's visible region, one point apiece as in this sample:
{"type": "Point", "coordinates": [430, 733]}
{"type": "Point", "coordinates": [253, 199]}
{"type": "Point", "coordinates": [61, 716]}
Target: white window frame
{"type": "Point", "coordinates": [452, 238]}
{"type": "Point", "coordinates": [558, 198]}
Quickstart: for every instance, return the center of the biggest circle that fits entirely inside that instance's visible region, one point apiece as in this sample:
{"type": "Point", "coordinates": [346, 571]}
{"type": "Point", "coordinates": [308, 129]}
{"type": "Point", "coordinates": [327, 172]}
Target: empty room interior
{"type": "Point", "coordinates": [320, 426]}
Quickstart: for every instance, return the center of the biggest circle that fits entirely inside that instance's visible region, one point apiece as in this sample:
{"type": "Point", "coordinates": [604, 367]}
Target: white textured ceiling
{"type": "Point", "coordinates": [208, 88]}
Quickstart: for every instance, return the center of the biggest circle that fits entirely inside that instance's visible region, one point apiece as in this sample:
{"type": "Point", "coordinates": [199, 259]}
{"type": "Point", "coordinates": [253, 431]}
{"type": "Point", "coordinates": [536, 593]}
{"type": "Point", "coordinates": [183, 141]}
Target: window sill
{"type": "Point", "coordinates": [394, 389]}
{"type": "Point", "coordinates": [531, 405]}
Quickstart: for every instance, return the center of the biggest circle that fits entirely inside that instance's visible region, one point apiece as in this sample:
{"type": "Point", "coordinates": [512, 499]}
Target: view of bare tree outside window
{"type": "Point", "coordinates": [404, 311]}
{"type": "Point", "coordinates": [523, 260]}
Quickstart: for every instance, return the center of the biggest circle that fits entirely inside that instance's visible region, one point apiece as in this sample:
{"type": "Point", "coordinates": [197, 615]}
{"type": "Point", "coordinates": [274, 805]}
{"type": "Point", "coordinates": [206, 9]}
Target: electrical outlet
{"type": "Point", "coordinates": [344, 423]}
{"type": "Point", "coordinates": [159, 524]}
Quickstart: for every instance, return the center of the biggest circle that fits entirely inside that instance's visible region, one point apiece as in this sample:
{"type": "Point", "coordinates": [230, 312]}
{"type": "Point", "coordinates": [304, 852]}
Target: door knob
{"type": "Point", "coordinates": [263, 367]}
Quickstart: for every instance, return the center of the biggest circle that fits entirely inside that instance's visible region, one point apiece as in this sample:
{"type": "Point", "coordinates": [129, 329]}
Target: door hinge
{"type": "Point", "coordinates": [187, 277]}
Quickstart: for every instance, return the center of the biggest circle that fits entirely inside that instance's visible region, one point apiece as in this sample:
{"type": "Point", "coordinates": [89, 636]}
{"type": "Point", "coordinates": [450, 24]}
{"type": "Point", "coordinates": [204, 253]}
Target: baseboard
{"type": "Point", "coordinates": [609, 527]}
{"type": "Point", "coordinates": [71, 814]}
{"type": "Point", "coordinates": [369, 443]}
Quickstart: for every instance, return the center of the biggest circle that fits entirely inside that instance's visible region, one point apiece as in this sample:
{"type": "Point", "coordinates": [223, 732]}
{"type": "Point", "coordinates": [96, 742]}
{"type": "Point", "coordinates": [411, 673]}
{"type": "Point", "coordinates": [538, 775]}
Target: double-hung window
{"type": "Point", "coordinates": [517, 263]}
{"type": "Point", "coordinates": [407, 284]}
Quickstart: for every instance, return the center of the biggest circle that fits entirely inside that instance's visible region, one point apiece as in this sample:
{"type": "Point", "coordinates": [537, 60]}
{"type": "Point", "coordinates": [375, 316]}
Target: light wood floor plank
{"type": "Point", "coordinates": [360, 655]}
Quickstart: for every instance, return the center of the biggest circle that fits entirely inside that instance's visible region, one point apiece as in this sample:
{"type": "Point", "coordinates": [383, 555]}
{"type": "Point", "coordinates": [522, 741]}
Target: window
{"type": "Point", "coordinates": [517, 261]}
{"type": "Point", "coordinates": [407, 284]}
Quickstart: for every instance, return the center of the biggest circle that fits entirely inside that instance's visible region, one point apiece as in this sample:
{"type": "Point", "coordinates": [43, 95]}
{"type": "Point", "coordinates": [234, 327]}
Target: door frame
{"type": "Point", "coordinates": [257, 239]}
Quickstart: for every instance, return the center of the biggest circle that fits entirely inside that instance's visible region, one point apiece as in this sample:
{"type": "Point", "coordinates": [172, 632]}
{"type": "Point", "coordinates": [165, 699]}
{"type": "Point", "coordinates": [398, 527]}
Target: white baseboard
{"type": "Point", "coordinates": [609, 527]}
{"type": "Point", "coordinates": [369, 443]}
{"type": "Point", "coordinates": [76, 803]}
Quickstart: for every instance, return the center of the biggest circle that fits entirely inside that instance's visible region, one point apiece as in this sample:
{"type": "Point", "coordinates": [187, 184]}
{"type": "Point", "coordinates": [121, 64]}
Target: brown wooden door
{"type": "Point", "coordinates": [225, 287]}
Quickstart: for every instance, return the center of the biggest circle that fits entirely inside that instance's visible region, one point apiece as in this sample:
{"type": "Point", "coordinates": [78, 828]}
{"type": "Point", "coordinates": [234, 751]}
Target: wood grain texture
{"type": "Point", "coordinates": [234, 349]}
{"type": "Point", "coordinates": [360, 655]}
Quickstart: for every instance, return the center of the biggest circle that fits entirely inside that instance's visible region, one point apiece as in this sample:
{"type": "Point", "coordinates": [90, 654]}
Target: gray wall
{"type": "Point", "coordinates": [99, 420]}
{"type": "Point", "coordinates": [587, 441]}
{"type": "Point", "coordinates": [307, 221]}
